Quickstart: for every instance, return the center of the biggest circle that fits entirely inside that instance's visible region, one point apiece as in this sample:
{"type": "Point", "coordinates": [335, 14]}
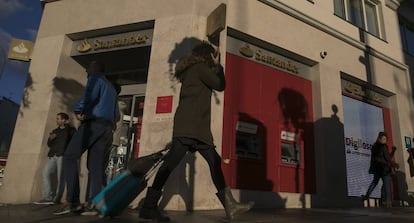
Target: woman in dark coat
{"type": "Point", "coordinates": [199, 74]}
{"type": "Point", "coordinates": [381, 166]}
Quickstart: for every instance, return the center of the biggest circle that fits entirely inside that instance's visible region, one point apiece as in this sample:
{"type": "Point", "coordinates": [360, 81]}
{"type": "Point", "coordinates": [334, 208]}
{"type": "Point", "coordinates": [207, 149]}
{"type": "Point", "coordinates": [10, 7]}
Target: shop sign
{"type": "Point", "coordinates": [247, 127]}
{"type": "Point", "coordinates": [20, 50]}
{"type": "Point", "coordinates": [268, 58]}
{"type": "Point", "coordinates": [216, 21]}
{"type": "Point", "coordinates": [288, 136]}
{"type": "Point", "coordinates": [360, 92]}
{"type": "Point", "coordinates": [112, 42]}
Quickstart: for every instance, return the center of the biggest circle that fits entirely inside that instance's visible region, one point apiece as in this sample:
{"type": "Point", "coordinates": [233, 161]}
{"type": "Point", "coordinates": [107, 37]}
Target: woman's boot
{"type": "Point", "coordinates": [149, 209]}
{"type": "Point", "coordinates": [231, 206]}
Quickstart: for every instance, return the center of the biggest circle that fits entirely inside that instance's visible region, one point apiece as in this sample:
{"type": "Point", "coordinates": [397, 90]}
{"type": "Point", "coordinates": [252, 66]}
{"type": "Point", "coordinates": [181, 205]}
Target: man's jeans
{"type": "Point", "coordinates": [53, 165]}
{"type": "Point", "coordinates": [96, 137]}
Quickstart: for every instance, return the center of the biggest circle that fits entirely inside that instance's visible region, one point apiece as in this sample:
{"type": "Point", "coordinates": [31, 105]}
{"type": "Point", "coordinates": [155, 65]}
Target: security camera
{"type": "Point", "coordinates": [324, 54]}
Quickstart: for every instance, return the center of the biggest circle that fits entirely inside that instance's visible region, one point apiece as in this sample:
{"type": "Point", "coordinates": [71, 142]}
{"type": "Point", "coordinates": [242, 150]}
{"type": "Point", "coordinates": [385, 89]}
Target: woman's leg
{"type": "Point", "coordinates": [373, 184]}
{"type": "Point", "coordinates": [149, 208]}
{"type": "Point", "coordinates": [231, 206]}
{"type": "Point", "coordinates": [171, 161]}
{"type": "Point", "coordinates": [214, 162]}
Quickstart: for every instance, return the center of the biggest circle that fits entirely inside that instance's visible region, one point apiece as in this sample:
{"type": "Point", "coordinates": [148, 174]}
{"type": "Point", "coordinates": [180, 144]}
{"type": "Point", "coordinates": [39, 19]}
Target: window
{"type": "Point", "coordinates": [362, 13]}
{"type": "Point", "coordinates": [407, 38]}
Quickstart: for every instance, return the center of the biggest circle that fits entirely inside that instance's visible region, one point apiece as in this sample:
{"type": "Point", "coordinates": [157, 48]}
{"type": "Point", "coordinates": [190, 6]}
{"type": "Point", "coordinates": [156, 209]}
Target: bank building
{"type": "Point", "coordinates": [309, 84]}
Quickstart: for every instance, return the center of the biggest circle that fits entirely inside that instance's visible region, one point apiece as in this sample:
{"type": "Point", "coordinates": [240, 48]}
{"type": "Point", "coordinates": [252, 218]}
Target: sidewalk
{"type": "Point", "coordinates": [29, 213]}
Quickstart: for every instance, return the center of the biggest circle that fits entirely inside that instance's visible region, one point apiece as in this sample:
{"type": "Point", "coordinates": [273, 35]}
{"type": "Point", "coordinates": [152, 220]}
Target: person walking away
{"type": "Point", "coordinates": [97, 110]}
{"type": "Point", "coordinates": [381, 166]}
{"type": "Point", "coordinates": [57, 142]}
{"type": "Point", "coordinates": [199, 74]}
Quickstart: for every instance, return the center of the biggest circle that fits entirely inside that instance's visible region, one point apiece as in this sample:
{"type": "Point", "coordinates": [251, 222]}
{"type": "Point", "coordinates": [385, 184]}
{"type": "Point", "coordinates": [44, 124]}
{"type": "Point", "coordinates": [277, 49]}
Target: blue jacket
{"type": "Point", "coordinates": [99, 100]}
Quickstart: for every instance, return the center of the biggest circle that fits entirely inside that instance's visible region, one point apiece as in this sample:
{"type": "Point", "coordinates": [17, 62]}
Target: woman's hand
{"type": "Point", "coordinates": [215, 57]}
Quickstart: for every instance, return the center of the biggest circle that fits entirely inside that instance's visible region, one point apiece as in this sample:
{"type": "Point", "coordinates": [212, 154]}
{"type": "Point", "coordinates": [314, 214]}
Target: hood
{"type": "Point", "coordinates": [184, 63]}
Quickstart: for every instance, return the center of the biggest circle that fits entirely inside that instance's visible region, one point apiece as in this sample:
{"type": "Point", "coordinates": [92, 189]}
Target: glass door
{"type": "Point", "coordinates": [126, 137]}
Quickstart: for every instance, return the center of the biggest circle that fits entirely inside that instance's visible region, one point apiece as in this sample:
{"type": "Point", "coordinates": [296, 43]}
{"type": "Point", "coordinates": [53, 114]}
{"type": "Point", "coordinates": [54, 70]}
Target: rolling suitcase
{"type": "Point", "coordinates": [119, 193]}
{"type": "Point", "coordinates": [125, 187]}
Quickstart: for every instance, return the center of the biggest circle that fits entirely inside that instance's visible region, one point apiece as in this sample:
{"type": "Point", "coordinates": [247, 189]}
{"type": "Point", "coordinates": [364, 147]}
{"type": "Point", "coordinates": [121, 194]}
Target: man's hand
{"type": "Point", "coordinates": [52, 135]}
{"type": "Point", "coordinates": [80, 117]}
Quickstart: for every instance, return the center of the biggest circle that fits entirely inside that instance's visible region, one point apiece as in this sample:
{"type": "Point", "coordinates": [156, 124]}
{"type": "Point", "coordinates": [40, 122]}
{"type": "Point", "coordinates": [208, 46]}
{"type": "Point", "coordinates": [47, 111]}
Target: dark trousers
{"type": "Point", "coordinates": [96, 136]}
{"type": "Point", "coordinates": [386, 181]}
{"type": "Point", "coordinates": [177, 152]}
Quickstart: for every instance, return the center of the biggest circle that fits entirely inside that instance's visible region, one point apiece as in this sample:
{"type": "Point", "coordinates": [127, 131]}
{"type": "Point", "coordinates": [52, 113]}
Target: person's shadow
{"type": "Point", "coordinates": [331, 180]}
{"type": "Point", "coordinates": [401, 189]}
{"type": "Point", "coordinates": [180, 185]}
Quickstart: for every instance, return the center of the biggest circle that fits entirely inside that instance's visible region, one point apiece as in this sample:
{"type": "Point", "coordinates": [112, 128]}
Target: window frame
{"type": "Point", "coordinates": [406, 27]}
{"type": "Point", "coordinates": [376, 4]}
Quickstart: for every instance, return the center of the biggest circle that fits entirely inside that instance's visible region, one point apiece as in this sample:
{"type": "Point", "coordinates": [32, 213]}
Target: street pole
{"type": "Point", "coordinates": [3, 61]}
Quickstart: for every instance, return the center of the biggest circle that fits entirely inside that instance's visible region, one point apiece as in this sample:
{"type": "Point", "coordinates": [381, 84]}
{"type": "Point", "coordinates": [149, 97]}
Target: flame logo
{"type": "Point", "coordinates": [246, 51]}
{"type": "Point", "coordinates": [21, 48]}
{"type": "Point", "coordinates": [84, 46]}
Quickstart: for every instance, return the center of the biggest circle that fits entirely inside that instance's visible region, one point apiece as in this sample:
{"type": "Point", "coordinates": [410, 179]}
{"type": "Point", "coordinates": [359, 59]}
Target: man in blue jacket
{"type": "Point", "coordinates": [97, 110]}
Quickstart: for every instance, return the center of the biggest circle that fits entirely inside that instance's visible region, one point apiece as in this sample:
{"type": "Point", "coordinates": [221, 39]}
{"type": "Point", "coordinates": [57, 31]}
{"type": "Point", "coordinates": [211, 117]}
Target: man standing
{"type": "Point", "coordinates": [97, 110]}
{"type": "Point", "coordinates": [57, 143]}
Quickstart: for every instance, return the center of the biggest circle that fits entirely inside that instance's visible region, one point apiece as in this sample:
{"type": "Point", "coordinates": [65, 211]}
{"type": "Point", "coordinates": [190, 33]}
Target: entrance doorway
{"type": "Point", "coordinates": [127, 68]}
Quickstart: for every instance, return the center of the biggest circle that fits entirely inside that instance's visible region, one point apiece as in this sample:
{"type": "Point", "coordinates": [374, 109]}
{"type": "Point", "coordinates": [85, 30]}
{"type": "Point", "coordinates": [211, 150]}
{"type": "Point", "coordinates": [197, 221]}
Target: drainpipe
{"type": "Point", "coordinates": [3, 58]}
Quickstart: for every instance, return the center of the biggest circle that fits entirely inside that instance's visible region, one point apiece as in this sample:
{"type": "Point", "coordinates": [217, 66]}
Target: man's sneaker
{"type": "Point", "coordinates": [56, 202]}
{"type": "Point", "coordinates": [89, 211]}
{"type": "Point", "coordinates": [68, 208]}
{"type": "Point", "coordinates": [44, 201]}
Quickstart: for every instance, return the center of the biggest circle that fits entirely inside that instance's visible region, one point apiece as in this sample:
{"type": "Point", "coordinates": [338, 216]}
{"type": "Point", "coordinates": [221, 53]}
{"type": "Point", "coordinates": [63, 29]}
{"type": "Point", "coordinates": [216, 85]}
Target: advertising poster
{"type": "Point", "coordinates": [362, 122]}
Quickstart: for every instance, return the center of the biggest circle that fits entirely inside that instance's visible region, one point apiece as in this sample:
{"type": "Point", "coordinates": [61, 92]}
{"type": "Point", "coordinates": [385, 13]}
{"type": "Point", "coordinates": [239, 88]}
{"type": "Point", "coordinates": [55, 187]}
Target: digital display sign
{"type": "Point", "coordinates": [362, 122]}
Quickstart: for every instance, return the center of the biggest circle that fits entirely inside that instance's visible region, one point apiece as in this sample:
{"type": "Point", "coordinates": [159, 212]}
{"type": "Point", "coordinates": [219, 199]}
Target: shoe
{"type": "Point", "coordinates": [90, 211]}
{"type": "Point", "coordinates": [44, 201]}
{"type": "Point", "coordinates": [153, 214]}
{"type": "Point", "coordinates": [68, 208]}
{"type": "Point", "coordinates": [57, 202]}
{"type": "Point", "coordinates": [149, 210]}
{"type": "Point", "coordinates": [231, 206]}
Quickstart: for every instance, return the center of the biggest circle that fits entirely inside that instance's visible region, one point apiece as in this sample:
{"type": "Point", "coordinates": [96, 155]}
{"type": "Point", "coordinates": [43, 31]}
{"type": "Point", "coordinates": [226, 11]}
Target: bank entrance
{"type": "Point", "coordinates": [126, 58]}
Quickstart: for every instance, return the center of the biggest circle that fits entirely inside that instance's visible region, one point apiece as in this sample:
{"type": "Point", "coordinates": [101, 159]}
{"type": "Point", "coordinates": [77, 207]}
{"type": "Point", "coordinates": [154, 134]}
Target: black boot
{"type": "Point", "coordinates": [149, 209]}
{"type": "Point", "coordinates": [231, 206]}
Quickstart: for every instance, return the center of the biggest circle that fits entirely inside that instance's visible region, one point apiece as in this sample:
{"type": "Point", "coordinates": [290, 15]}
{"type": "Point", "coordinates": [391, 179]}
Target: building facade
{"type": "Point", "coordinates": [309, 86]}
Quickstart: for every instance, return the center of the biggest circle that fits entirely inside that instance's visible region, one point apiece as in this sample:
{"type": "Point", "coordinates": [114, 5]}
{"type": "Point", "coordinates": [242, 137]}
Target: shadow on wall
{"type": "Point", "coordinates": [401, 189]}
{"type": "Point", "coordinates": [71, 91]}
{"type": "Point", "coordinates": [180, 50]}
{"type": "Point", "coordinates": [296, 114]}
{"type": "Point", "coordinates": [28, 87]}
{"type": "Point", "coordinates": [183, 49]}
{"type": "Point", "coordinates": [180, 185]}
{"type": "Point", "coordinates": [331, 180]}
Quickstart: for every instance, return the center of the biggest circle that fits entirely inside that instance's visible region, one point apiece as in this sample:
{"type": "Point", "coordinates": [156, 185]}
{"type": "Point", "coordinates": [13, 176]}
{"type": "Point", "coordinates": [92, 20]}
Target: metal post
{"type": "Point", "coordinates": [3, 62]}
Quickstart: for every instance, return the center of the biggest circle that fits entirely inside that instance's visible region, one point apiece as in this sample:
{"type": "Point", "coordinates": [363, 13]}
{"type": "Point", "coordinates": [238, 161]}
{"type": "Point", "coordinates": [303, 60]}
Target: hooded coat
{"type": "Point", "coordinates": [381, 159]}
{"type": "Point", "coordinates": [198, 80]}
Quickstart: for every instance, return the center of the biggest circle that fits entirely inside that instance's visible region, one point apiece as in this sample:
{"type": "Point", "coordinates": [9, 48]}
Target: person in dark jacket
{"type": "Point", "coordinates": [98, 111]}
{"type": "Point", "coordinates": [381, 166]}
{"type": "Point", "coordinates": [57, 142]}
{"type": "Point", "coordinates": [199, 74]}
